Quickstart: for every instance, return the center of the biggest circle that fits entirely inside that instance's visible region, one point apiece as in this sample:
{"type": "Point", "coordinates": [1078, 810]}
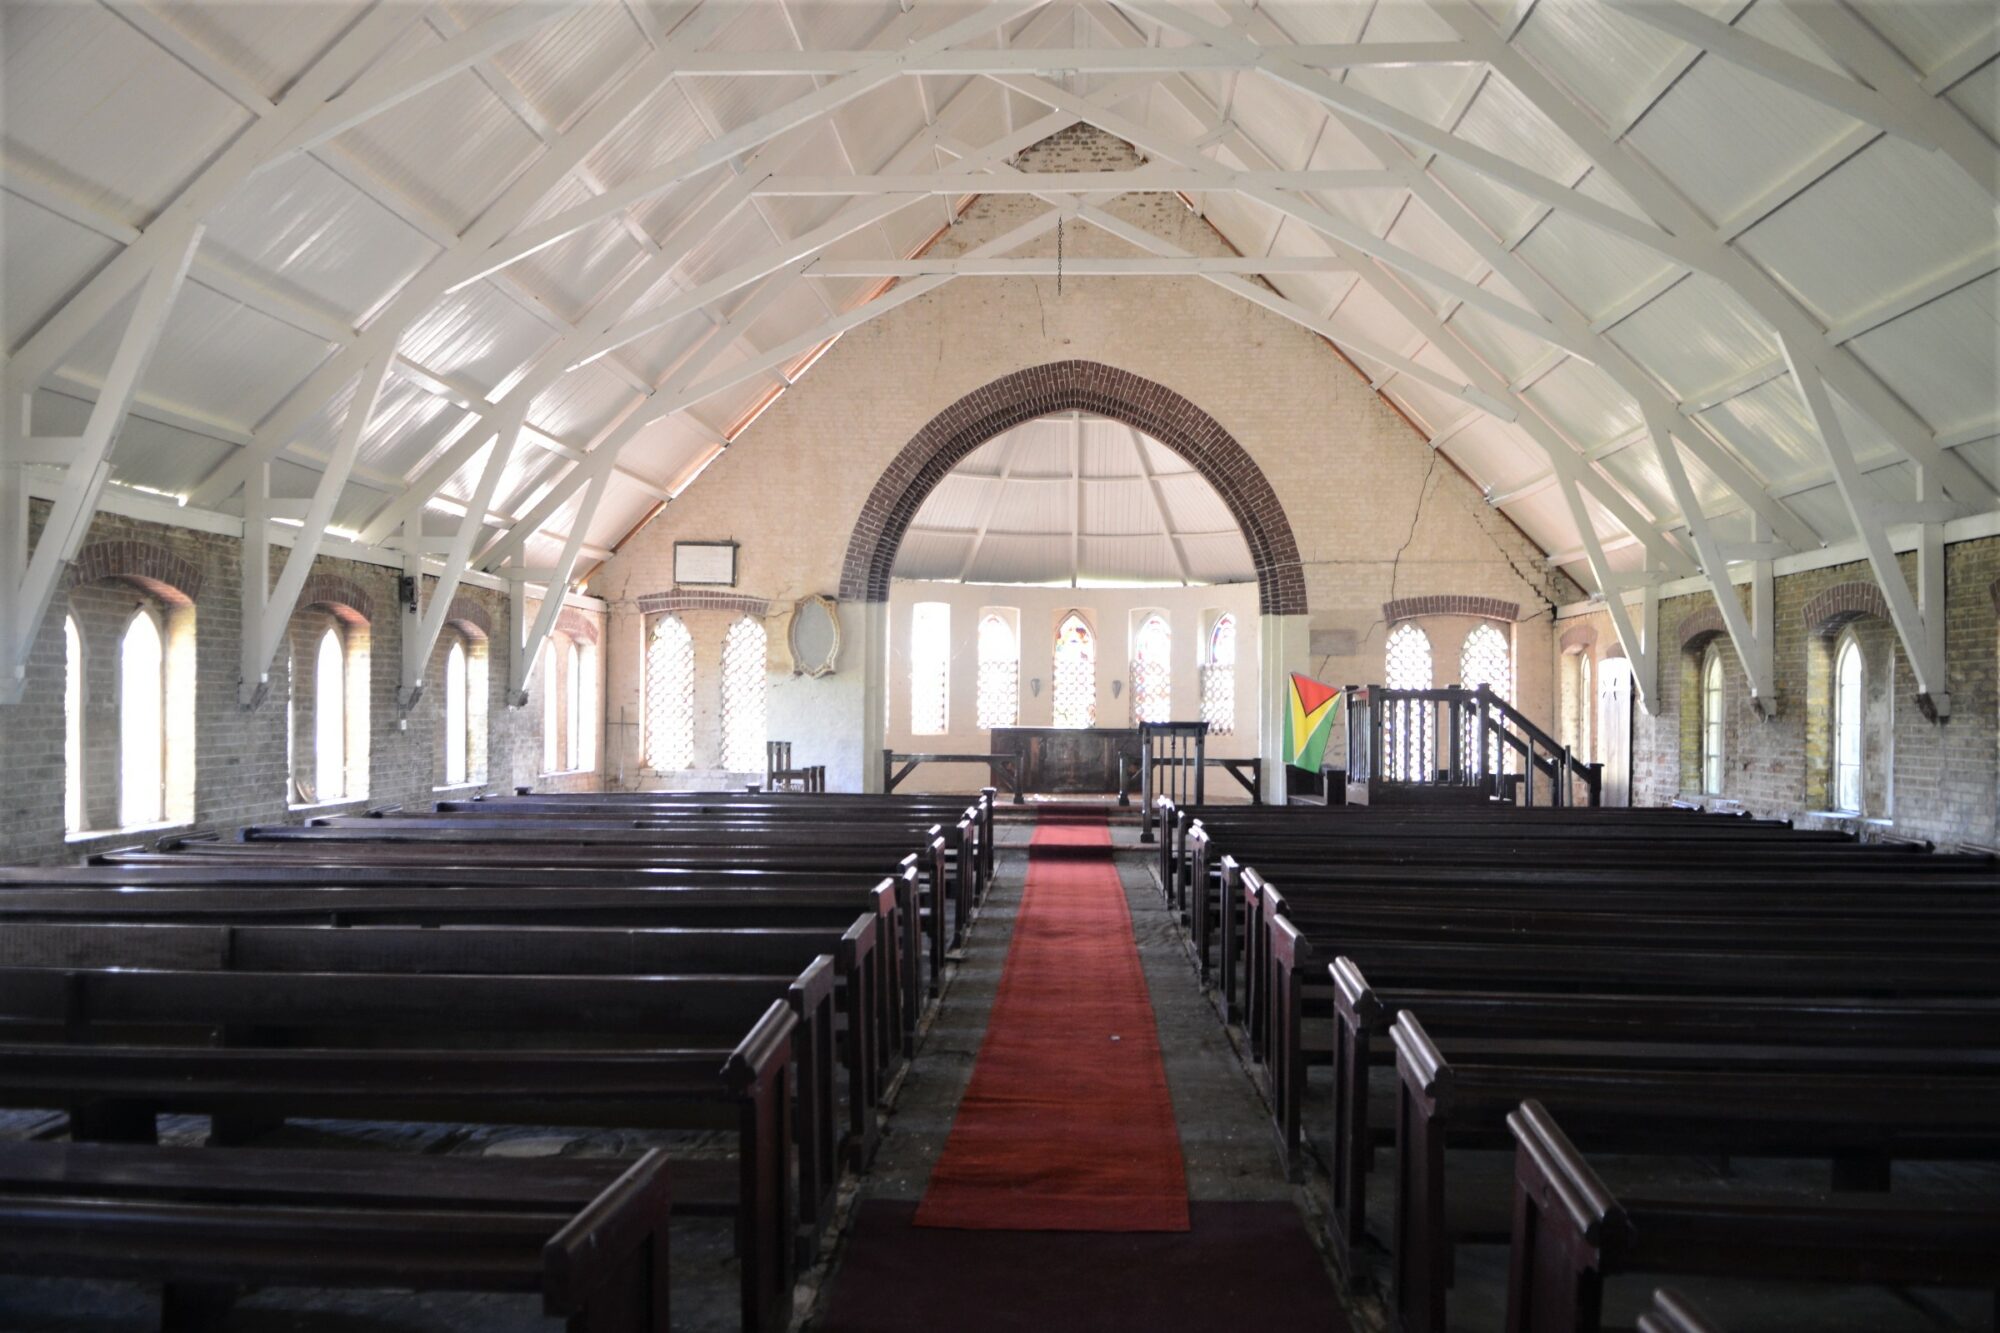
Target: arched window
{"type": "Point", "coordinates": [1847, 726]}
{"type": "Point", "coordinates": [930, 668]}
{"type": "Point", "coordinates": [142, 721]}
{"type": "Point", "coordinates": [743, 725]}
{"type": "Point", "coordinates": [1409, 659]}
{"type": "Point", "coordinates": [551, 710]}
{"type": "Point", "coordinates": [670, 696]}
{"type": "Point", "coordinates": [1408, 747]}
{"type": "Point", "coordinates": [582, 708]}
{"type": "Point", "coordinates": [1075, 673]}
{"type": "Point", "coordinates": [999, 672]}
{"type": "Point", "coordinates": [1586, 710]}
{"type": "Point", "coordinates": [457, 723]}
{"type": "Point", "coordinates": [1152, 671]}
{"type": "Point", "coordinates": [72, 727]}
{"type": "Point", "coordinates": [1484, 660]}
{"type": "Point", "coordinates": [330, 718]}
{"type": "Point", "coordinates": [1218, 678]}
{"type": "Point", "coordinates": [1711, 724]}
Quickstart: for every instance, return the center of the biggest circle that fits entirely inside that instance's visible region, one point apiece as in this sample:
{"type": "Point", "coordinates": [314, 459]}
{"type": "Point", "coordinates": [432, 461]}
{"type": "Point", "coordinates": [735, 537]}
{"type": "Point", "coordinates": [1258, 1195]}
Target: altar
{"type": "Point", "coordinates": [1071, 759]}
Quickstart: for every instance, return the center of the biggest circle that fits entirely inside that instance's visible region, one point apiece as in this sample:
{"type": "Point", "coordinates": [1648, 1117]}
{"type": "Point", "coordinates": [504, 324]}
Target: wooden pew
{"type": "Point", "coordinates": [1725, 965]}
{"type": "Point", "coordinates": [1571, 1233]}
{"type": "Point", "coordinates": [379, 1072]}
{"type": "Point", "coordinates": [569, 890]}
{"type": "Point", "coordinates": [1364, 1012]}
{"type": "Point", "coordinates": [590, 1236]}
{"type": "Point", "coordinates": [1836, 1103]}
{"type": "Point", "coordinates": [537, 951]}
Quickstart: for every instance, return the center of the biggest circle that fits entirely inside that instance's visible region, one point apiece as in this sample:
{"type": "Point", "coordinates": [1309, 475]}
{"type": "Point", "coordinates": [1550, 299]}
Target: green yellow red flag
{"type": "Point", "coordinates": [1309, 712]}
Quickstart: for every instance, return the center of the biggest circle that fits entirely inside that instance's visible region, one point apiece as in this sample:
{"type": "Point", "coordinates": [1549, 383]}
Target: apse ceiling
{"type": "Point", "coordinates": [1075, 501]}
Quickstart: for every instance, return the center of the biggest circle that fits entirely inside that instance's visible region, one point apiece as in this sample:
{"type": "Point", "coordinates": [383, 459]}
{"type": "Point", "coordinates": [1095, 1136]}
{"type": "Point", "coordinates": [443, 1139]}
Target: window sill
{"type": "Point", "coordinates": [327, 807]}
{"type": "Point", "coordinates": [1849, 817]}
{"type": "Point", "coordinates": [567, 773]}
{"type": "Point", "coordinates": [135, 831]}
{"type": "Point", "coordinates": [450, 787]}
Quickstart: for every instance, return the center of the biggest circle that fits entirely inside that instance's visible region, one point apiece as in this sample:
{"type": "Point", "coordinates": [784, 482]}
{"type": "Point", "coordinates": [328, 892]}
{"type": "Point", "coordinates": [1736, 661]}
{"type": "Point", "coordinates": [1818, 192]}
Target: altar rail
{"type": "Point", "coordinates": [1407, 746]}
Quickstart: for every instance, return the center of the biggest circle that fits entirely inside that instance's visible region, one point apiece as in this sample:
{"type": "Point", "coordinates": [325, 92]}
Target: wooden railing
{"type": "Point", "coordinates": [1453, 737]}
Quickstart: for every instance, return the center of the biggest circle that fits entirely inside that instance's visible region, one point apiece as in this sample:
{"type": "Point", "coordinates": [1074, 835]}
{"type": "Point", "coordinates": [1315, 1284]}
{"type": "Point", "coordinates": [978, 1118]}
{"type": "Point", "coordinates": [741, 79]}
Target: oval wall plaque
{"type": "Point", "coordinates": [814, 636]}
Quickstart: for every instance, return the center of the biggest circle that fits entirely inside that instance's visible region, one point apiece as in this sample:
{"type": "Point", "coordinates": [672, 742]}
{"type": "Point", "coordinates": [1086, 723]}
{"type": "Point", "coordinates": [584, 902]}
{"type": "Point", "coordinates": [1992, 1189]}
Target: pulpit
{"type": "Point", "coordinates": [1071, 759]}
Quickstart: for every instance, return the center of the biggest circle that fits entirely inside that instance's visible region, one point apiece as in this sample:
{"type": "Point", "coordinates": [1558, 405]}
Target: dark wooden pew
{"type": "Point", "coordinates": [590, 1236]}
{"type": "Point", "coordinates": [1727, 965]}
{"type": "Point", "coordinates": [1364, 1012]}
{"type": "Point", "coordinates": [1571, 1233]}
{"type": "Point", "coordinates": [1843, 1104]}
{"type": "Point", "coordinates": [368, 1061]}
{"type": "Point", "coordinates": [611, 894]}
{"type": "Point", "coordinates": [853, 1043]}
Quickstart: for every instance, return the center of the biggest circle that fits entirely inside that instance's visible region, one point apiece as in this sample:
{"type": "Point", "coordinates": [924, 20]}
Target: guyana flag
{"type": "Point", "coordinates": [1310, 708]}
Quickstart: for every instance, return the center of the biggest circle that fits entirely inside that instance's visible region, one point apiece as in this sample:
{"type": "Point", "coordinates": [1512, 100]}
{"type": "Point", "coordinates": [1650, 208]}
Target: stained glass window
{"type": "Point", "coordinates": [1485, 660]}
{"type": "Point", "coordinates": [1075, 673]}
{"type": "Point", "coordinates": [999, 673]}
{"type": "Point", "coordinates": [1218, 678]}
{"type": "Point", "coordinates": [930, 668]}
{"type": "Point", "coordinates": [670, 696]}
{"type": "Point", "coordinates": [1847, 728]}
{"type": "Point", "coordinates": [1407, 744]}
{"type": "Point", "coordinates": [1152, 671]}
{"type": "Point", "coordinates": [743, 684]}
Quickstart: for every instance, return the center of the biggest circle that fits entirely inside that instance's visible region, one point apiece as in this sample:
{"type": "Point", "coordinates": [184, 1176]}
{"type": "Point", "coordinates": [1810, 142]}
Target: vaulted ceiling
{"type": "Point", "coordinates": [1679, 283]}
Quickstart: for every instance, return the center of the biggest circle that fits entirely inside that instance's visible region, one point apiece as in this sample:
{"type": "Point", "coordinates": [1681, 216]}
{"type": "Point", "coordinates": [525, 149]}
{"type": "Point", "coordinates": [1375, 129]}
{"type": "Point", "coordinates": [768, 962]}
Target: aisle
{"type": "Point", "coordinates": [1068, 1125]}
{"type": "Point", "coordinates": [1245, 1258]}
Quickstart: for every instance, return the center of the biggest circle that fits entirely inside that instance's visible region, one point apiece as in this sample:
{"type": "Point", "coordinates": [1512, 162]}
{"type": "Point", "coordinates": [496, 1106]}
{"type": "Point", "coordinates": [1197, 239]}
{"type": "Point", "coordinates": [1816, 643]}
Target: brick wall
{"type": "Point", "coordinates": [1930, 780]}
{"type": "Point", "coordinates": [1375, 515]}
{"type": "Point", "coordinates": [239, 763]}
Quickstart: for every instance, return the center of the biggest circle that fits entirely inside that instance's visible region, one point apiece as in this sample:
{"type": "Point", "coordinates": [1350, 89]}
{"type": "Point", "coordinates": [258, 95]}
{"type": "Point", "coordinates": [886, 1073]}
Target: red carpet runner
{"type": "Point", "coordinates": [1067, 1125]}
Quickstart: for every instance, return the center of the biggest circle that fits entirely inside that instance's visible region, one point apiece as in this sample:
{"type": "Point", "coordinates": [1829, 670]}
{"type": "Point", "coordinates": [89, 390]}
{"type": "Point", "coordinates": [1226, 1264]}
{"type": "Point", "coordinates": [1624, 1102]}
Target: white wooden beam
{"type": "Point", "coordinates": [1056, 62]}
{"type": "Point", "coordinates": [89, 466]}
{"type": "Point", "coordinates": [268, 630]}
{"type": "Point", "coordinates": [1922, 645]}
{"type": "Point", "coordinates": [522, 659]}
{"type": "Point", "coordinates": [1085, 267]}
{"type": "Point", "coordinates": [1144, 180]}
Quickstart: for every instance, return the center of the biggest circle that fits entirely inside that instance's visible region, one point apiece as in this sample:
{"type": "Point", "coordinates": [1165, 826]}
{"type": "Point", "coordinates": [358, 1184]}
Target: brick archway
{"type": "Point", "coordinates": [1070, 386]}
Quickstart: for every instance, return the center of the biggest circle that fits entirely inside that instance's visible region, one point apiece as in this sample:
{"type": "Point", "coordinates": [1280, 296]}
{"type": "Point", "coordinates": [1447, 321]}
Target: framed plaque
{"type": "Point", "coordinates": [711, 564]}
{"type": "Point", "coordinates": [814, 636]}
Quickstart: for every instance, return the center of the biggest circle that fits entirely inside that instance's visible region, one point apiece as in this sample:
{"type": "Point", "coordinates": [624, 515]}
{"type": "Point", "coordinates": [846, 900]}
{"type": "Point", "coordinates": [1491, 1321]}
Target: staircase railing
{"type": "Point", "coordinates": [1459, 738]}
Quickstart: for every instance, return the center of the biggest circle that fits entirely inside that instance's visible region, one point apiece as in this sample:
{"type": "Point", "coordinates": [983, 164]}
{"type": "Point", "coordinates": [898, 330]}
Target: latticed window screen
{"type": "Point", "coordinates": [1407, 744]}
{"type": "Point", "coordinates": [670, 696]}
{"type": "Point", "coordinates": [1075, 674]}
{"type": "Point", "coordinates": [930, 668]}
{"type": "Point", "coordinates": [1152, 672]}
{"type": "Point", "coordinates": [1218, 678]}
{"type": "Point", "coordinates": [1485, 660]}
{"type": "Point", "coordinates": [743, 725]}
{"type": "Point", "coordinates": [999, 673]}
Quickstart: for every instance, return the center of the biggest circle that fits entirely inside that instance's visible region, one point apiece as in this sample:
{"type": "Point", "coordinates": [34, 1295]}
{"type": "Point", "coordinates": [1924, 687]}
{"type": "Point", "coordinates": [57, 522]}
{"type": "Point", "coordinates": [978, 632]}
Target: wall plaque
{"type": "Point", "coordinates": [814, 636]}
{"type": "Point", "coordinates": [710, 564]}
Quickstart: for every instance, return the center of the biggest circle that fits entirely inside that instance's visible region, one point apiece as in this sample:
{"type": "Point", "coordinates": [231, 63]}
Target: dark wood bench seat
{"type": "Point", "coordinates": [590, 1236]}
{"type": "Point", "coordinates": [1969, 1024]}
{"type": "Point", "coordinates": [855, 1043]}
{"type": "Point", "coordinates": [1843, 1104]}
{"type": "Point", "coordinates": [116, 1049]}
{"type": "Point", "coordinates": [493, 895]}
{"type": "Point", "coordinates": [1571, 1233]}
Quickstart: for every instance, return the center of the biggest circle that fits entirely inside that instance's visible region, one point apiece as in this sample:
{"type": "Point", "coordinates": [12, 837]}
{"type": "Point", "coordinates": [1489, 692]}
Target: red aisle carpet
{"type": "Point", "coordinates": [1067, 1124]}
